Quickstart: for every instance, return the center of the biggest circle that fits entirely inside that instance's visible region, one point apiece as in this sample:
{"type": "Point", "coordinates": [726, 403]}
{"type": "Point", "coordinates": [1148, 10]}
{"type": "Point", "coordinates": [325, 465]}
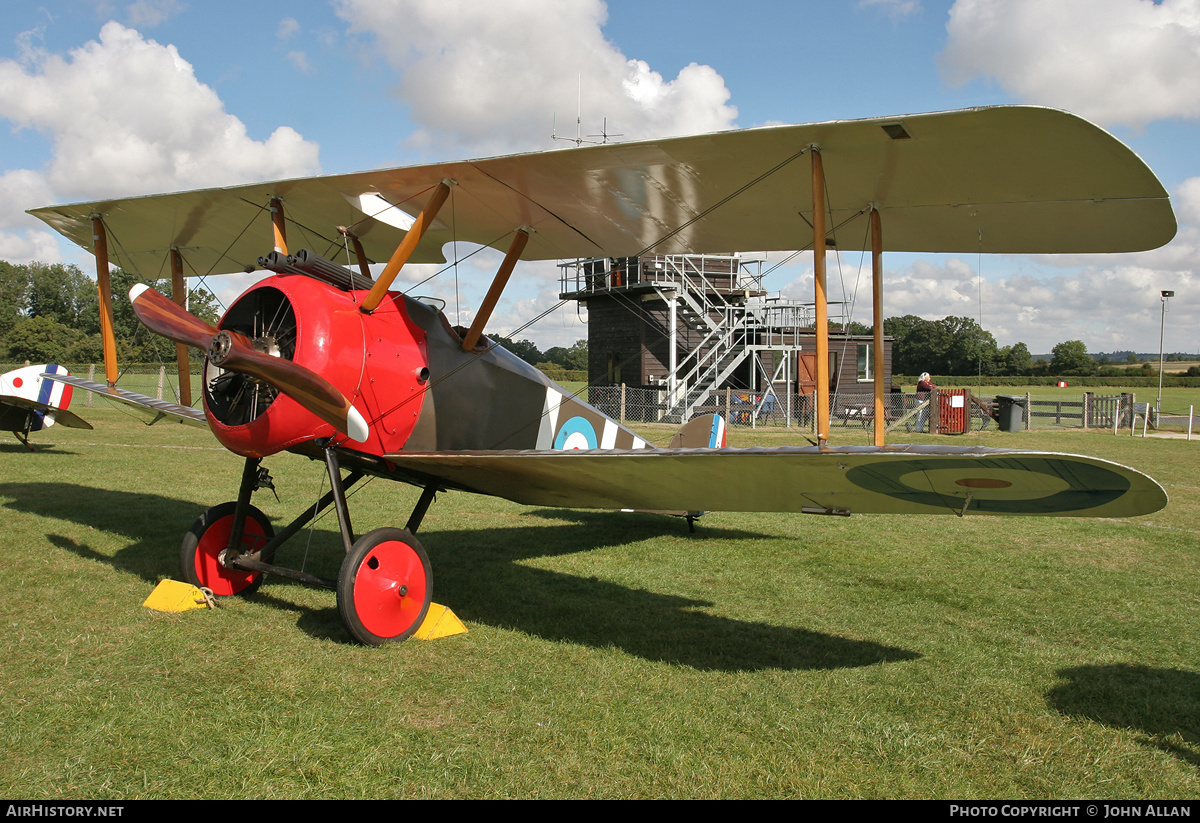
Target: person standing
{"type": "Point", "coordinates": [925, 385]}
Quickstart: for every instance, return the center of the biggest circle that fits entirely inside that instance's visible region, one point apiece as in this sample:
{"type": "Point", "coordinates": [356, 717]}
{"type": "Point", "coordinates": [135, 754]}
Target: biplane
{"type": "Point", "coordinates": [31, 401]}
{"type": "Point", "coordinates": [322, 358]}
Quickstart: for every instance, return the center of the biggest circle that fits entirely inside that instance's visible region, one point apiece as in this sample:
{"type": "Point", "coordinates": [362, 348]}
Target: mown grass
{"type": "Point", "coordinates": [609, 655]}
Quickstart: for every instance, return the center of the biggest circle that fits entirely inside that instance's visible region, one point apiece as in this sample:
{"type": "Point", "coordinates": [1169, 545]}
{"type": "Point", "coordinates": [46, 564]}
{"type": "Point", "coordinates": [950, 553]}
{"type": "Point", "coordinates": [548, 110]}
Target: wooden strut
{"type": "Point", "coordinates": [360, 256]}
{"type": "Point", "coordinates": [179, 294]}
{"type": "Point", "coordinates": [407, 246]}
{"type": "Point", "coordinates": [877, 299]}
{"type": "Point", "coordinates": [819, 297]}
{"type": "Point", "coordinates": [279, 225]}
{"type": "Point", "coordinates": [104, 285]}
{"type": "Point", "coordinates": [498, 283]}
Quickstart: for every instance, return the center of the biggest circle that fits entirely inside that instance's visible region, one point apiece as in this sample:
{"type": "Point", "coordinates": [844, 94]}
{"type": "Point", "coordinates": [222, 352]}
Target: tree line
{"type": "Point", "coordinates": [50, 313]}
{"type": "Point", "coordinates": [960, 346]}
{"type": "Point", "coordinates": [555, 357]}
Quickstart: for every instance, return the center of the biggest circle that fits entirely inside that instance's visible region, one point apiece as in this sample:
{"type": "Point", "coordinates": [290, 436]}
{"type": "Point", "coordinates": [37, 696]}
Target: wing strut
{"type": "Point", "coordinates": [279, 225]}
{"type": "Point", "coordinates": [821, 308]}
{"type": "Point", "coordinates": [364, 267]}
{"type": "Point", "coordinates": [104, 284]}
{"type": "Point", "coordinates": [520, 238]}
{"type": "Point", "coordinates": [179, 294]}
{"type": "Point", "coordinates": [877, 298]}
{"type": "Point", "coordinates": [406, 247]}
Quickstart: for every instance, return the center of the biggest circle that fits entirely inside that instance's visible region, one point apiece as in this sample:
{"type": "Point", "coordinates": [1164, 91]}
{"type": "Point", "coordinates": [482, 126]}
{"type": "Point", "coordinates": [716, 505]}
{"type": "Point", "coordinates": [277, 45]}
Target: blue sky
{"type": "Point", "coordinates": [114, 97]}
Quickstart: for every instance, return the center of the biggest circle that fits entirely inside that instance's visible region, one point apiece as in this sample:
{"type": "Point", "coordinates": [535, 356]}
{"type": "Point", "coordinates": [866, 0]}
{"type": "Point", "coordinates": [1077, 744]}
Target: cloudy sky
{"type": "Point", "coordinates": [109, 97]}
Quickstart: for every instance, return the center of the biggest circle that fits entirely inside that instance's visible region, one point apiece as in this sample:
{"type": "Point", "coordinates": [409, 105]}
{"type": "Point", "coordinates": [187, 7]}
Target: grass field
{"type": "Point", "coordinates": [609, 655]}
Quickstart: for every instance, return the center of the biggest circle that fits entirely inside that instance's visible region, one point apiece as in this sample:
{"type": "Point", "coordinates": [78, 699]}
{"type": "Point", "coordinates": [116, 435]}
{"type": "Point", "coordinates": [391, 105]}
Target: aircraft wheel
{"type": "Point", "coordinates": [199, 558]}
{"type": "Point", "coordinates": [383, 589]}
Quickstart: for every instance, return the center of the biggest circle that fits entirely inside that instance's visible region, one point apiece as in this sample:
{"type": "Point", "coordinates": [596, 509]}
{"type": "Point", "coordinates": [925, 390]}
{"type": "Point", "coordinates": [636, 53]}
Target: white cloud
{"type": "Point", "coordinates": [172, 133]}
{"type": "Point", "coordinates": [21, 189]}
{"type": "Point", "coordinates": [489, 78]}
{"type": "Point", "coordinates": [28, 245]}
{"type": "Point", "coordinates": [1110, 305]}
{"type": "Point", "coordinates": [1112, 61]}
{"type": "Point", "coordinates": [288, 27]}
{"type": "Point", "coordinates": [1186, 201]}
{"type": "Point", "coordinates": [151, 13]}
{"type": "Point", "coordinates": [896, 9]}
{"type": "Point", "coordinates": [299, 59]}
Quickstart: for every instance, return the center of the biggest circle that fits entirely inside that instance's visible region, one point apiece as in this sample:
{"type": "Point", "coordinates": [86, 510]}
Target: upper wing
{"type": "Point", "coordinates": [896, 480]}
{"type": "Point", "coordinates": [1015, 179]}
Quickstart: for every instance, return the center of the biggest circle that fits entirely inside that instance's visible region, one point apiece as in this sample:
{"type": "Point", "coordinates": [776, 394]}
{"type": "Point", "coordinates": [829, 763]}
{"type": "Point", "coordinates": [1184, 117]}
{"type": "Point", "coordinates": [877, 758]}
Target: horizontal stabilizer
{"type": "Point", "coordinates": [856, 479]}
{"type": "Point", "coordinates": [60, 416]}
{"type": "Point", "coordinates": [159, 408]}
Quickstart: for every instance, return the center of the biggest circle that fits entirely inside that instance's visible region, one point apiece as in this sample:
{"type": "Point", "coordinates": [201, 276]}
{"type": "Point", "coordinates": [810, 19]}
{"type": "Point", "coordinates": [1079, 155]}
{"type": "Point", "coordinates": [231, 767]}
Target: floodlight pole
{"type": "Point", "coordinates": [1163, 298]}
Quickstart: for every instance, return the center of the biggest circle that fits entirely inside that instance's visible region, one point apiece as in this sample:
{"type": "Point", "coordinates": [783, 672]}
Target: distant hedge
{"type": "Point", "coordinates": [567, 375]}
{"type": "Point", "coordinates": [1073, 381]}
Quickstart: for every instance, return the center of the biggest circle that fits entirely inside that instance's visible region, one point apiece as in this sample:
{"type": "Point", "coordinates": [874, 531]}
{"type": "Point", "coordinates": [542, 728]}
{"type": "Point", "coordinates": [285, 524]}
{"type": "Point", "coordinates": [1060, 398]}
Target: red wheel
{"type": "Point", "coordinates": [199, 558]}
{"type": "Point", "coordinates": [383, 589]}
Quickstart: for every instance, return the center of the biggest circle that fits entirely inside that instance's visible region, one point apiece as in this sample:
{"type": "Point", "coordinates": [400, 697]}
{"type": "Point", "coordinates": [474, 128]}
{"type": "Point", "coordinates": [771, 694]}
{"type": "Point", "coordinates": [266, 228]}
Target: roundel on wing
{"type": "Point", "coordinates": [576, 433]}
{"type": "Point", "coordinates": [1030, 485]}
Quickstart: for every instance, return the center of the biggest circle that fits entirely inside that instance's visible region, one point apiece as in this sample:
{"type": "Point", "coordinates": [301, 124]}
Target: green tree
{"type": "Point", "coordinates": [14, 281]}
{"type": "Point", "coordinates": [575, 357]}
{"type": "Point", "coordinates": [911, 343]}
{"type": "Point", "coordinates": [524, 349]}
{"type": "Point", "coordinates": [1015, 360]}
{"type": "Point", "coordinates": [61, 293]}
{"type": "Point", "coordinates": [41, 340]}
{"type": "Point", "coordinates": [1071, 357]}
{"type": "Point", "coordinates": [952, 345]}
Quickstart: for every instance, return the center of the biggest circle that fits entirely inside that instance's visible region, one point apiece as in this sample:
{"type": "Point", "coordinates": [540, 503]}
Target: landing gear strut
{"type": "Point", "coordinates": [383, 588]}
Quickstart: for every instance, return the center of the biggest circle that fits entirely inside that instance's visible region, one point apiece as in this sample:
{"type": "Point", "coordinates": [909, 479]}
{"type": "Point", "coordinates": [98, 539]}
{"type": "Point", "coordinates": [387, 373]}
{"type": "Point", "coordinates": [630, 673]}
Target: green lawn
{"type": "Point", "coordinates": [609, 655]}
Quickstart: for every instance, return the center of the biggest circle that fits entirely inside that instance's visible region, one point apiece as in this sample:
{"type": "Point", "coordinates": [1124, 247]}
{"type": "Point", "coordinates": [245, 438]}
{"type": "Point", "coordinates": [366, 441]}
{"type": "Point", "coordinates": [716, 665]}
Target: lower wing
{"type": "Point", "coordinates": [888, 480]}
{"type": "Point", "coordinates": [159, 409]}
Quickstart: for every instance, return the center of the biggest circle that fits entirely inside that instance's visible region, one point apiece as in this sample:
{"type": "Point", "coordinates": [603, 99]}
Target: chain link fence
{"type": "Point", "coordinates": [903, 412]}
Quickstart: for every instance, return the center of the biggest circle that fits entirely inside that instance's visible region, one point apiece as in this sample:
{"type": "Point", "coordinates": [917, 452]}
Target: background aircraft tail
{"type": "Point", "coordinates": [28, 384]}
{"type": "Point", "coordinates": [704, 432]}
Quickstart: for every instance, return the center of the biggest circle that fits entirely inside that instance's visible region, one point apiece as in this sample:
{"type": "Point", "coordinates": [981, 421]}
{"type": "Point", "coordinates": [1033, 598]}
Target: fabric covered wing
{"type": "Point", "coordinates": [1012, 179]}
{"type": "Point", "coordinates": [157, 409]}
{"type": "Point", "coordinates": [899, 480]}
{"type": "Point", "coordinates": [14, 410]}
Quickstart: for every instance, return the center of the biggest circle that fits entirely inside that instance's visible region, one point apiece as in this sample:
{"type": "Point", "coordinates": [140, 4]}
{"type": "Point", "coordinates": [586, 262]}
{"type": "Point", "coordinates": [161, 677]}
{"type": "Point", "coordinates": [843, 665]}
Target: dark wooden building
{"type": "Point", "coordinates": [692, 326]}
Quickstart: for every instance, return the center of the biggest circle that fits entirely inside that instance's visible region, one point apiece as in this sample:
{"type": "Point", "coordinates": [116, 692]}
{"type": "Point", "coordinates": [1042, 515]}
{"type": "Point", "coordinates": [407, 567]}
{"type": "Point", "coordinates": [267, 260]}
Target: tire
{"type": "Point", "coordinates": [384, 587]}
{"type": "Point", "coordinates": [199, 557]}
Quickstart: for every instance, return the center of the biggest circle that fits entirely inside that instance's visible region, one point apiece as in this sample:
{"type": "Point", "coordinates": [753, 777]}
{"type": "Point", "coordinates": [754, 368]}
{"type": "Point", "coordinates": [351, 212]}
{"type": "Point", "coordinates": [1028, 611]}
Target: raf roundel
{"type": "Point", "coordinates": [576, 433]}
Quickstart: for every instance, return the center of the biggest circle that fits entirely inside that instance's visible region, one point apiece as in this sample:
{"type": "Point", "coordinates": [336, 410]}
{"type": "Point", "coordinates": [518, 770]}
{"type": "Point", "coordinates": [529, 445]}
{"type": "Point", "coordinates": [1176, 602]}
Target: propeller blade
{"type": "Point", "coordinates": [234, 351]}
{"type": "Point", "coordinates": [166, 317]}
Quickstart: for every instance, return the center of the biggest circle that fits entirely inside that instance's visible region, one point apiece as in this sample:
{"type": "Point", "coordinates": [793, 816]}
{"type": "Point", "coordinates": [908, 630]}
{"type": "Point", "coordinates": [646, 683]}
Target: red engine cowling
{"type": "Point", "coordinates": [379, 361]}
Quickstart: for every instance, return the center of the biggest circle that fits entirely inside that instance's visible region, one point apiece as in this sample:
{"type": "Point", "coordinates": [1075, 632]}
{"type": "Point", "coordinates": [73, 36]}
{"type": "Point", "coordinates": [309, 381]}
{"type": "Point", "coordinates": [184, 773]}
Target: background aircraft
{"type": "Point", "coordinates": [30, 402]}
{"type": "Point", "coordinates": [326, 361]}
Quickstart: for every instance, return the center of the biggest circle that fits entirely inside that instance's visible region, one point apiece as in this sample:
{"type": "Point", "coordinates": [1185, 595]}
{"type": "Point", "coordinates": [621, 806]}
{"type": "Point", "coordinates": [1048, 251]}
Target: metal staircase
{"type": "Point", "coordinates": [714, 298]}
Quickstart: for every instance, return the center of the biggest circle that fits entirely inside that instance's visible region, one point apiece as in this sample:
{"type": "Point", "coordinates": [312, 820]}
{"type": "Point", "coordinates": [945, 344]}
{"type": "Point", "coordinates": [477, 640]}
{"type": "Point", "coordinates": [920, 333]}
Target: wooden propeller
{"type": "Point", "coordinates": [234, 351]}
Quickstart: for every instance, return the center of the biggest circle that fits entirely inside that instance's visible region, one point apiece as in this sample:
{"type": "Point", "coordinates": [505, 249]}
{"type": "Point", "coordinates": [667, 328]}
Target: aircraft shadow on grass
{"type": "Point", "coordinates": [38, 448]}
{"type": "Point", "coordinates": [1163, 704]}
{"type": "Point", "coordinates": [481, 579]}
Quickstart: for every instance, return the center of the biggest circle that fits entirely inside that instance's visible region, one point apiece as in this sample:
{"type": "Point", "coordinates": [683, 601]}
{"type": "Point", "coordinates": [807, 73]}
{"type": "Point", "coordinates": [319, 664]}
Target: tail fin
{"type": "Point", "coordinates": [704, 432]}
{"type": "Point", "coordinates": [28, 384]}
